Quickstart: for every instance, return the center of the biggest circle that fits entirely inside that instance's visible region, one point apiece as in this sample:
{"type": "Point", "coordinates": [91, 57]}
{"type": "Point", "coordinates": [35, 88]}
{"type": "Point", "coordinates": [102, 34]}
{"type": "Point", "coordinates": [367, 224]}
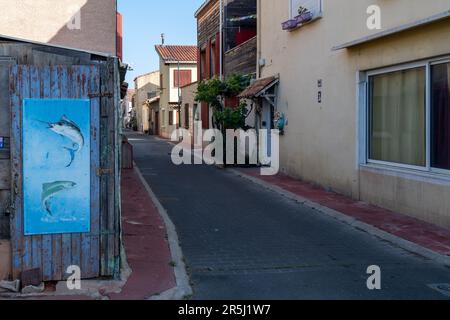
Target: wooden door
{"type": "Point", "coordinates": [53, 253]}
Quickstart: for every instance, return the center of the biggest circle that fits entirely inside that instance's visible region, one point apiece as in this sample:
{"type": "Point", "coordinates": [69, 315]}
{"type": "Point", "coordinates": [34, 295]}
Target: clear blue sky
{"type": "Point", "coordinates": [145, 20]}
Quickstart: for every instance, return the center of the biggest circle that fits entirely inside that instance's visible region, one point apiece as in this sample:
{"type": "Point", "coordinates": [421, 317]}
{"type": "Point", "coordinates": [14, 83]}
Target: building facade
{"type": "Point", "coordinates": [92, 25]}
{"type": "Point", "coordinates": [146, 88]}
{"type": "Point", "coordinates": [191, 113]}
{"type": "Point", "coordinates": [227, 43]}
{"type": "Point", "coordinates": [178, 67]}
{"type": "Point", "coordinates": [365, 97]}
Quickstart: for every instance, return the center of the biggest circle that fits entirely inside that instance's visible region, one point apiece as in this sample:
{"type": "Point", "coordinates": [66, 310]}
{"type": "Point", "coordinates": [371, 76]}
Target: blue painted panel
{"type": "Point", "coordinates": [56, 166]}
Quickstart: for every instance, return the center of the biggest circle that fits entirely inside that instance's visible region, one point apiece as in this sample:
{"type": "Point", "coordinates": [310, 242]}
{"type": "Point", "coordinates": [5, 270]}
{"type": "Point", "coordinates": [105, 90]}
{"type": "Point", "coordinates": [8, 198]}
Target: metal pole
{"type": "Point", "coordinates": [179, 96]}
{"type": "Point", "coordinates": [221, 40]}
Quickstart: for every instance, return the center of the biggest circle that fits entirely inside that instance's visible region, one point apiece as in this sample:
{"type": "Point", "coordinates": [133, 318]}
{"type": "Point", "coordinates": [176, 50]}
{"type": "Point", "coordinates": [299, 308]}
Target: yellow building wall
{"type": "Point", "coordinates": [321, 140]}
{"type": "Point", "coordinates": [143, 85]}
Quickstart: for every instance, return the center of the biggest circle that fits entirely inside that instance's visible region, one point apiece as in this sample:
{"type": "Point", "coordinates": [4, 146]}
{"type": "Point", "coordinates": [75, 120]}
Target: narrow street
{"type": "Point", "coordinates": [241, 241]}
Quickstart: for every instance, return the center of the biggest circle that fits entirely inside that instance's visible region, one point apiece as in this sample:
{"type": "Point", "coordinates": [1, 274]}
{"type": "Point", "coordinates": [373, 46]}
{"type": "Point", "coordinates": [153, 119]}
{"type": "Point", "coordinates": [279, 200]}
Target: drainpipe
{"type": "Point", "coordinates": [258, 41]}
{"type": "Point", "coordinates": [221, 39]}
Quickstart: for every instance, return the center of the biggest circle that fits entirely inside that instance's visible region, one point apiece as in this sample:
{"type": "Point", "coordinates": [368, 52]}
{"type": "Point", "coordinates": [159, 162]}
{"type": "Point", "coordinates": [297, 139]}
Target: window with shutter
{"type": "Point", "coordinates": [185, 78]}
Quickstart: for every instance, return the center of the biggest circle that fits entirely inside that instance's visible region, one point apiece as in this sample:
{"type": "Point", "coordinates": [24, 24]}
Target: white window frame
{"type": "Point", "coordinates": [364, 114]}
{"type": "Point", "coordinates": [292, 11]}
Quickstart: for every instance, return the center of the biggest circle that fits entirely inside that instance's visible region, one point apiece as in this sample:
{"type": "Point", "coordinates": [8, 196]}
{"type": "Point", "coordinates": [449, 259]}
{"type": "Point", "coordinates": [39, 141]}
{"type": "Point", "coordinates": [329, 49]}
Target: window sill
{"type": "Point", "coordinates": [319, 16]}
{"type": "Point", "coordinates": [442, 178]}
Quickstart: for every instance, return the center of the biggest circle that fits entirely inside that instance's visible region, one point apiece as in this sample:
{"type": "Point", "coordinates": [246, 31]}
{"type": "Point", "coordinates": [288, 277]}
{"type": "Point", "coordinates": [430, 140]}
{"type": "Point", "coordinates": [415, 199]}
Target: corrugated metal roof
{"type": "Point", "coordinates": [15, 39]}
{"type": "Point", "coordinates": [177, 53]}
{"type": "Point", "coordinates": [257, 87]}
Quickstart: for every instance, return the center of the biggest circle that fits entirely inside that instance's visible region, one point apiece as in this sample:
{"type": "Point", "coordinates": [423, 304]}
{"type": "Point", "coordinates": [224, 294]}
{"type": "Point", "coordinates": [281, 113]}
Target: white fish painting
{"type": "Point", "coordinates": [70, 130]}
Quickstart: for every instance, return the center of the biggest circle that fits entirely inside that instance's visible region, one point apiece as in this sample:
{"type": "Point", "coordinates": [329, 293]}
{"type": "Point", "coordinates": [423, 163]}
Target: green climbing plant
{"type": "Point", "coordinates": [215, 91]}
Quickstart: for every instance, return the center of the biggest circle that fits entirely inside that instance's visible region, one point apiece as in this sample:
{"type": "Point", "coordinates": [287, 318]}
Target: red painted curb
{"type": "Point", "coordinates": [145, 240]}
{"type": "Point", "coordinates": [425, 234]}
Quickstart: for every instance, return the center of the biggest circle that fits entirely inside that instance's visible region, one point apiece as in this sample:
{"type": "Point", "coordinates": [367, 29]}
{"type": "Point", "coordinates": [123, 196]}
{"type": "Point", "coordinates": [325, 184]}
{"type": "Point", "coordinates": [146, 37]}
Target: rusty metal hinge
{"type": "Point", "coordinates": [101, 95]}
{"type": "Point", "coordinates": [10, 210]}
{"type": "Point", "coordinates": [104, 172]}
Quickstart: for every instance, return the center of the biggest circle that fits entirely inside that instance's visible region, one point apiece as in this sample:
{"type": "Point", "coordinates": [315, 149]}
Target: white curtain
{"type": "Point", "coordinates": [398, 113]}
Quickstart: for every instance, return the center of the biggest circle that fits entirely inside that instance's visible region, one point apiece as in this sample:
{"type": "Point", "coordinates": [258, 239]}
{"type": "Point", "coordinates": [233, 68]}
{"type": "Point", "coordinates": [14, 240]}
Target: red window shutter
{"type": "Point", "coordinates": [205, 115]}
{"type": "Point", "coordinates": [199, 64]}
{"type": "Point", "coordinates": [218, 53]}
{"type": "Point", "coordinates": [185, 78]}
{"type": "Point", "coordinates": [208, 60]}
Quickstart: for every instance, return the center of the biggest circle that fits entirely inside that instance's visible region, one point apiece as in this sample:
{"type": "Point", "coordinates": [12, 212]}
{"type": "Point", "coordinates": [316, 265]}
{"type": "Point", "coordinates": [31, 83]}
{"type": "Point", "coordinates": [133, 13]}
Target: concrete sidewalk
{"type": "Point", "coordinates": [409, 233]}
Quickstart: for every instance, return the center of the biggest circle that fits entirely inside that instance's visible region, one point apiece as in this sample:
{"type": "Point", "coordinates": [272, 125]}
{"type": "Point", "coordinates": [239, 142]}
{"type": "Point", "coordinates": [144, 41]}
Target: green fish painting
{"type": "Point", "coordinates": [50, 190]}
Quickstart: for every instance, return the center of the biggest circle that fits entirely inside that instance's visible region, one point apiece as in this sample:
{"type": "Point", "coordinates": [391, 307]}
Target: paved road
{"type": "Point", "coordinates": [242, 241]}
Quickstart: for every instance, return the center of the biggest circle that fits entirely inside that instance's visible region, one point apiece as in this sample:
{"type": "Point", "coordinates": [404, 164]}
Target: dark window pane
{"type": "Point", "coordinates": [440, 116]}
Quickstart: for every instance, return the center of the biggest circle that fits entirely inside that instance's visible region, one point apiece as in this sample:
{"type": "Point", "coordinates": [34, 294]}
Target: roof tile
{"type": "Point", "coordinates": [177, 53]}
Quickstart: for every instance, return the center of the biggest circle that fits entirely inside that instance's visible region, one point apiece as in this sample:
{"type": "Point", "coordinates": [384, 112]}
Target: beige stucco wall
{"type": "Point", "coordinates": [321, 140]}
{"type": "Point", "coordinates": [188, 96]}
{"type": "Point", "coordinates": [46, 21]}
{"type": "Point", "coordinates": [169, 95]}
{"type": "Point", "coordinates": [143, 85]}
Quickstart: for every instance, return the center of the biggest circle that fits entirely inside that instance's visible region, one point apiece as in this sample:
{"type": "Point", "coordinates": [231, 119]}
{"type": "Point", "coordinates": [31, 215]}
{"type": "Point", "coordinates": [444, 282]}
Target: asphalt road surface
{"type": "Point", "coordinates": [242, 241]}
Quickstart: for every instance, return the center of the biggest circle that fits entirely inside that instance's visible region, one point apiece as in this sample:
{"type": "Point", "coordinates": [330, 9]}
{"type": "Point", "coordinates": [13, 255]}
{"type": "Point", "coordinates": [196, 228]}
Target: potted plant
{"type": "Point", "coordinates": [304, 15]}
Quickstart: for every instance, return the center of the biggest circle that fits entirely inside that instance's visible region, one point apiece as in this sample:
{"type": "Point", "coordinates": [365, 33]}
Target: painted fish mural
{"type": "Point", "coordinates": [70, 130]}
{"type": "Point", "coordinates": [50, 190]}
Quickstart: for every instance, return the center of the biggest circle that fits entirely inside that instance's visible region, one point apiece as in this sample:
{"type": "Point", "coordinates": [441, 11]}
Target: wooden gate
{"type": "Point", "coordinates": [54, 253]}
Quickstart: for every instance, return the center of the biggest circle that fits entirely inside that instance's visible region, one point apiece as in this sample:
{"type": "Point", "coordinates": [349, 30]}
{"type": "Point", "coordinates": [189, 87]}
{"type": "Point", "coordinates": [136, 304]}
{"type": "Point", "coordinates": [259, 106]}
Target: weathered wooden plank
{"type": "Point", "coordinates": [75, 79]}
{"type": "Point", "coordinates": [26, 93]}
{"type": "Point", "coordinates": [95, 164]}
{"type": "Point", "coordinates": [4, 97]}
{"type": "Point", "coordinates": [16, 170]}
{"type": "Point", "coordinates": [5, 202]}
{"type": "Point", "coordinates": [66, 239]}
{"type": "Point", "coordinates": [108, 190]}
{"type": "Point", "coordinates": [5, 174]}
{"type": "Point", "coordinates": [47, 247]}
{"type": "Point", "coordinates": [117, 169]}
{"type": "Point", "coordinates": [36, 240]}
{"type": "Point", "coordinates": [106, 76]}
{"type": "Point", "coordinates": [55, 93]}
{"type": "Point", "coordinates": [86, 268]}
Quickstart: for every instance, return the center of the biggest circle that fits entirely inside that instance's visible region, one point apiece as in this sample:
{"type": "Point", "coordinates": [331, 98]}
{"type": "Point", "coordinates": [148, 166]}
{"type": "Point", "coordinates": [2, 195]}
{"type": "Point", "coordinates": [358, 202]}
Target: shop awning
{"type": "Point", "coordinates": [259, 88]}
{"type": "Point", "coordinates": [392, 31]}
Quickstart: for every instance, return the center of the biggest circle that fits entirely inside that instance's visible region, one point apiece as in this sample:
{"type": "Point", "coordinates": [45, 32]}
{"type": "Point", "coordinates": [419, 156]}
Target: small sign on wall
{"type": "Point", "coordinates": [319, 93]}
{"type": "Point", "coordinates": [4, 143]}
